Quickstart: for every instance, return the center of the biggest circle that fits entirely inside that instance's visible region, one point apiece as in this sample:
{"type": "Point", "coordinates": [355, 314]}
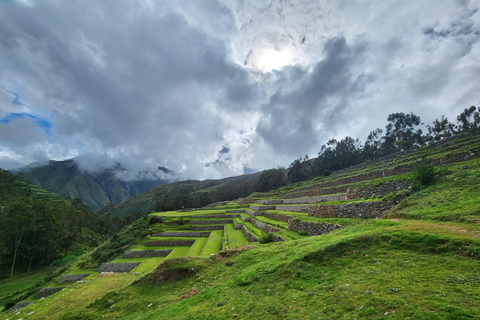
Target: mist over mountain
{"type": "Point", "coordinates": [96, 185]}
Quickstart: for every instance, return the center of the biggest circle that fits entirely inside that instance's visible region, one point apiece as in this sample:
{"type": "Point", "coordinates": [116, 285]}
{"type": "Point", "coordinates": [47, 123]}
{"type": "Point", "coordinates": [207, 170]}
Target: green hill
{"type": "Point", "coordinates": [96, 189]}
{"type": "Point", "coordinates": [397, 237]}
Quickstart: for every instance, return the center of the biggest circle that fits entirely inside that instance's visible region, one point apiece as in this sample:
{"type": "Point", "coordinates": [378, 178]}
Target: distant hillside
{"type": "Point", "coordinates": [96, 189]}
{"type": "Point", "coordinates": [188, 194]}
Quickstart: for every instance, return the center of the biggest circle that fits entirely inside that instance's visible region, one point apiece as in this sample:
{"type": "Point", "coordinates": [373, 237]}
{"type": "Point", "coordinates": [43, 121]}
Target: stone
{"type": "Point", "coordinates": [229, 263]}
{"type": "Point", "coordinates": [72, 277]}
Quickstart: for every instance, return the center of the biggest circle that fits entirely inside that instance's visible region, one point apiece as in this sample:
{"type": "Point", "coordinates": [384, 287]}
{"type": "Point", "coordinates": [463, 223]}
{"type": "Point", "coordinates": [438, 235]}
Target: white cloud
{"type": "Point", "coordinates": [174, 83]}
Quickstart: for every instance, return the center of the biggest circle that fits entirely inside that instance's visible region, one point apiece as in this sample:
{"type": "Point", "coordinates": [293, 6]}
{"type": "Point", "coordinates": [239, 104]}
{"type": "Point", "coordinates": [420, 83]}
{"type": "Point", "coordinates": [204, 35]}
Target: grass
{"type": "Point", "coordinates": [235, 238]}
{"type": "Point", "coordinates": [379, 269]}
{"type": "Point", "coordinates": [451, 198]}
{"type": "Point", "coordinates": [146, 265]}
{"type": "Point", "coordinates": [196, 248]}
{"type": "Point", "coordinates": [272, 222]}
{"type": "Point", "coordinates": [213, 243]}
{"type": "Point", "coordinates": [74, 297]}
{"type": "Point", "coordinates": [23, 281]}
{"type": "Point", "coordinates": [420, 262]}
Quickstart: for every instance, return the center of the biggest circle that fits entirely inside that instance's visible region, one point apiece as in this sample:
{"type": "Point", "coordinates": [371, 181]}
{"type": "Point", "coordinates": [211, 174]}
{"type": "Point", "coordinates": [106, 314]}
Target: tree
{"type": "Point", "coordinates": [295, 173]}
{"type": "Point", "coordinates": [271, 179]}
{"type": "Point", "coordinates": [402, 133]}
{"type": "Point", "coordinates": [440, 129]}
{"type": "Point", "coordinates": [20, 219]}
{"type": "Point", "coordinates": [469, 119]}
{"type": "Point", "coordinates": [372, 147]}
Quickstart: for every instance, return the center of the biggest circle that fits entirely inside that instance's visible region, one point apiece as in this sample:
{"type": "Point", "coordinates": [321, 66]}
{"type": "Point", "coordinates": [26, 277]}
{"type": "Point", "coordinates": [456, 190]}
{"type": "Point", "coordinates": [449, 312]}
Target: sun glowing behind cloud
{"type": "Point", "coordinates": [270, 60]}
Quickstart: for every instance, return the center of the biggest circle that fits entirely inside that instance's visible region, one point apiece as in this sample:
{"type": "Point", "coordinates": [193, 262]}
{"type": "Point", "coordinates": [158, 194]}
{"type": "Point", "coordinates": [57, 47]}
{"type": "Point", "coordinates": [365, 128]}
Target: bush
{"type": "Point", "coordinates": [424, 175]}
{"type": "Point", "coordinates": [267, 238]}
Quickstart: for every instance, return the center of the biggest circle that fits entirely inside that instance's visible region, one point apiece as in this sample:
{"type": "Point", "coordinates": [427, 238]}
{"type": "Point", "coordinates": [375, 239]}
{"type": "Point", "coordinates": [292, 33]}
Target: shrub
{"type": "Point", "coordinates": [267, 238]}
{"type": "Point", "coordinates": [424, 175]}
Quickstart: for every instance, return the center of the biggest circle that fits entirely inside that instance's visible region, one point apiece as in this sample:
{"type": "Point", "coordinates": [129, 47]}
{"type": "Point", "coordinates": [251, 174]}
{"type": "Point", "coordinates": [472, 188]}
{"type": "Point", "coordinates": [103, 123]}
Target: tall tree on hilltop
{"type": "Point", "coordinates": [440, 130]}
{"type": "Point", "coordinates": [373, 145]}
{"type": "Point", "coordinates": [402, 132]}
{"type": "Point", "coordinates": [469, 119]}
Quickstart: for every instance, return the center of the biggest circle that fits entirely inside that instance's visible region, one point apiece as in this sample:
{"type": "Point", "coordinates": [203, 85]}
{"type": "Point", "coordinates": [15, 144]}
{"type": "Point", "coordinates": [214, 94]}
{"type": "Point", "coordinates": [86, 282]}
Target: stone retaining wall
{"type": "Point", "coordinates": [216, 216]}
{"type": "Point", "coordinates": [118, 267]}
{"type": "Point", "coordinates": [263, 226]}
{"type": "Point", "coordinates": [270, 202]}
{"type": "Point", "coordinates": [316, 192]}
{"type": "Point", "coordinates": [20, 305]}
{"type": "Point", "coordinates": [145, 253]}
{"type": "Point", "coordinates": [366, 209]}
{"type": "Point", "coordinates": [448, 158]}
{"type": "Point", "coordinates": [184, 234]}
{"type": "Point", "coordinates": [380, 190]}
{"type": "Point", "coordinates": [245, 219]}
{"type": "Point", "coordinates": [332, 197]}
{"type": "Point", "coordinates": [296, 208]}
{"type": "Point", "coordinates": [250, 237]}
{"type": "Point", "coordinates": [168, 243]}
{"type": "Point", "coordinates": [397, 170]}
{"type": "Point", "coordinates": [279, 217]}
{"type": "Point", "coordinates": [206, 228]}
{"type": "Point", "coordinates": [45, 292]}
{"type": "Point", "coordinates": [219, 221]}
{"type": "Point", "coordinates": [236, 211]}
{"type": "Point", "coordinates": [66, 278]}
{"type": "Point", "coordinates": [261, 208]}
{"type": "Point", "coordinates": [253, 214]}
{"type": "Point", "coordinates": [312, 228]}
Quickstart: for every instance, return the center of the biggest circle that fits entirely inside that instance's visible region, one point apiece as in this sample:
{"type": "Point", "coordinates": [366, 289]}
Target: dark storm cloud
{"type": "Point", "coordinates": [321, 100]}
{"type": "Point", "coordinates": [122, 76]}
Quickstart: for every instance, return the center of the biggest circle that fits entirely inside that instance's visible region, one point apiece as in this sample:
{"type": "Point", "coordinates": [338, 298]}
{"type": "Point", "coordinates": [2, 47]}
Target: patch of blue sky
{"type": "Point", "coordinates": [41, 122]}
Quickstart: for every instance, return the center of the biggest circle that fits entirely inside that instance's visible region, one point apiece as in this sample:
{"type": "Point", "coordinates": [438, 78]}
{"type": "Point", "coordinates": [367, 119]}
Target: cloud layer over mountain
{"type": "Point", "coordinates": [218, 88]}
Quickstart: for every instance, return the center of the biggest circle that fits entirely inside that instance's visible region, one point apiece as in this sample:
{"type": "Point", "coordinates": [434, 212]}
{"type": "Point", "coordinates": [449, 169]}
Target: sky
{"type": "Point", "coordinates": [212, 89]}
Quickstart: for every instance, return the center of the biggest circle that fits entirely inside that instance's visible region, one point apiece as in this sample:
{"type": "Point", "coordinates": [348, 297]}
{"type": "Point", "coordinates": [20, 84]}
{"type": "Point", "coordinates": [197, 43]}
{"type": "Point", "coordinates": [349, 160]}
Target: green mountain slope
{"type": "Point", "coordinates": [96, 189]}
{"type": "Point", "coordinates": [187, 194]}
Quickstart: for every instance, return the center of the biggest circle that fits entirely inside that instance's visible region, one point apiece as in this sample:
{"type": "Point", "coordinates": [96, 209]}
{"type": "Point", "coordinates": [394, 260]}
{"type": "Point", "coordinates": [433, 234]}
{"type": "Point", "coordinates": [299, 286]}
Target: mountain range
{"type": "Point", "coordinates": [97, 188]}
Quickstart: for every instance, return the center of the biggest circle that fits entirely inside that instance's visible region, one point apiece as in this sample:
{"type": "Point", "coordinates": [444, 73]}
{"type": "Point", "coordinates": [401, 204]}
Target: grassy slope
{"type": "Point", "coordinates": [371, 270]}
{"type": "Point", "coordinates": [424, 266]}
